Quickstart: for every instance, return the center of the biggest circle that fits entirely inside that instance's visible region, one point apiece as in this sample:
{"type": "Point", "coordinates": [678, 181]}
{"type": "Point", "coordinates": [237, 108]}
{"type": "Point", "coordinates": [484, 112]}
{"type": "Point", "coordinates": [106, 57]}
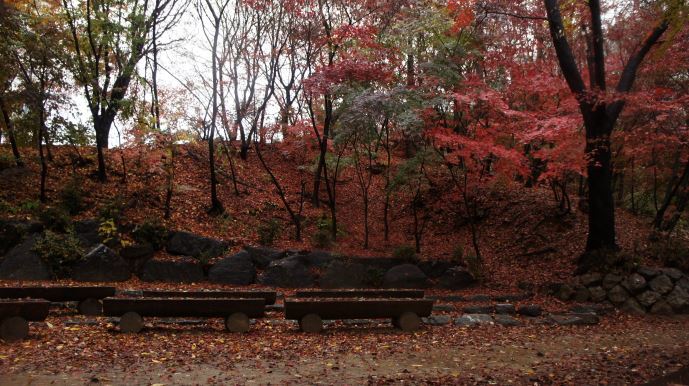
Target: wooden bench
{"type": "Point", "coordinates": [405, 313]}
{"type": "Point", "coordinates": [89, 298]}
{"type": "Point", "coordinates": [361, 293]}
{"type": "Point", "coordinates": [236, 312]}
{"type": "Point", "coordinates": [268, 296]}
{"type": "Point", "coordinates": [15, 315]}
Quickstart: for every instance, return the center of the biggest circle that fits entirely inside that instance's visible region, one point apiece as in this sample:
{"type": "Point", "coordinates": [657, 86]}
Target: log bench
{"type": "Point", "coordinates": [89, 298]}
{"type": "Point", "coordinates": [268, 296]}
{"type": "Point", "coordinates": [236, 312]}
{"type": "Point", "coordinates": [361, 293]}
{"type": "Point", "coordinates": [405, 313]}
{"type": "Point", "coordinates": [15, 315]}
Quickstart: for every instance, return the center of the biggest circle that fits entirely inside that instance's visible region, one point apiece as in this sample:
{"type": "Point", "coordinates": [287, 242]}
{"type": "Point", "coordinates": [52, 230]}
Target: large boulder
{"type": "Point", "coordinates": [661, 284]}
{"type": "Point", "coordinates": [87, 233]}
{"type": "Point", "coordinates": [189, 244]}
{"type": "Point", "coordinates": [10, 235]}
{"type": "Point", "coordinates": [184, 271]}
{"type": "Point", "coordinates": [137, 255]}
{"type": "Point", "coordinates": [101, 264]}
{"type": "Point", "coordinates": [263, 256]}
{"type": "Point", "coordinates": [290, 272]}
{"type": "Point", "coordinates": [634, 283]}
{"type": "Point", "coordinates": [319, 259]}
{"type": "Point", "coordinates": [405, 276]}
{"type": "Point", "coordinates": [678, 299]}
{"type": "Point", "coordinates": [618, 295]}
{"type": "Point", "coordinates": [345, 274]}
{"type": "Point", "coordinates": [456, 278]}
{"type": "Point", "coordinates": [435, 268]}
{"type": "Point", "coordinates": [22, 263]}
{"type": "Point", "coordinates": [611, 280]}
{"type": "Point", "coordinates": [238, 269]}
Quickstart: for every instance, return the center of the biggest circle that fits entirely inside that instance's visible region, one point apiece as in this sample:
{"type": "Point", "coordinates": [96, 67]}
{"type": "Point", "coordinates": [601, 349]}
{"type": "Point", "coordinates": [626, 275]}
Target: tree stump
{"type": "Point", "coordinates": [14, 329]}
{"type": "Point", "coordinates": [90, 307]}
{"type": "Point", "coordinates": [408, 321]}
{"type": "Point", "coordinates": [131, 322]}
{"type": "Point", "coordinates": [237, 322]}
{"type": "Point", "coordinates": [311, 323]}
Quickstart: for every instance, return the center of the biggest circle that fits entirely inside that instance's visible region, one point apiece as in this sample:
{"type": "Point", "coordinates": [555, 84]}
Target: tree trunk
{"type": "Point", "coordinates": [9, 126]}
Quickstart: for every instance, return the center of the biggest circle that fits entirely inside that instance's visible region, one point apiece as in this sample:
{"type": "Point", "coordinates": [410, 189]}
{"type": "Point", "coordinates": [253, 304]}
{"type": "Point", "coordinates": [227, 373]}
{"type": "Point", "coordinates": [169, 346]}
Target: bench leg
{"type": "Point", "coordinates": [90, 307]}
{"type": "Point", "coordinates": [131, 322]}
{"type": "Point", "coordinates": [311, 323]}
{"type": "Point", "coordinates": [14, 329]}
{"type": "Point", "coordinates": [408, 321]}
{"type": "Point", "coordinates": [237, 322]}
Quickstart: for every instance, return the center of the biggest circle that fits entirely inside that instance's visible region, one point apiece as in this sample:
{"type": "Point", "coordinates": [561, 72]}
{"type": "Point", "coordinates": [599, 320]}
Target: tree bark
{"type": "Point", "coordinates": [9, 127]}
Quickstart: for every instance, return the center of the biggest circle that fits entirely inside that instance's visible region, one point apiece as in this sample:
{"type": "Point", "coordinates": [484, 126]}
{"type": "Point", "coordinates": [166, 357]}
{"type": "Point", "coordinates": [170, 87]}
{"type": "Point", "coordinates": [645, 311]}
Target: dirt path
{"type": "Point", "coordinates": [620, 351]}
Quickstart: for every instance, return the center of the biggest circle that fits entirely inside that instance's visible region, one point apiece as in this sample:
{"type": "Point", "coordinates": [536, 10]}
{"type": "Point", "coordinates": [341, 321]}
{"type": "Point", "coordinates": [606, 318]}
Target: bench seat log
{"type": "Point", "coordinates": [178, 307]}
{"type": "Point", "coordinates": [57, 294]}
{"type": "Point", "coordinates": [34, 310]}
{"type": "Point", "coordinates": [268, 296]}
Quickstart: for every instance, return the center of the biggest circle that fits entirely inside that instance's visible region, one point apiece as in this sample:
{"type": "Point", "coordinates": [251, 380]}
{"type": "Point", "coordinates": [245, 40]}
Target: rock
{"type": "Point", "coordinates": [189, 244]}
{"type": "Point", "coordinates": [591, 279]}
{"type": "Point", "coordinates": [435, 268]}
{"type": "Point", "coordinates": [318, 259]}
{"type": "Point", "coordinates": [598, 294]}
{"type": "Point", "coordinates": [575, 319]}
{"type": "Point", "coordinates": [87, 233]}
{"type": "Point", "coordinates": [647, 272]}
{"type": "Point", "coordinates": [512, 297]}
{"type": "Point", "coordinates": [566, 292]}
{"type": "Point", "coordinates": [437, 320]}
{"type": "Point", "coordinates": [596, 309]}
{"type": "Point", "coordinates": [673, 273]}
{"type": "Point", "coordinates": [582, 294]}
{"type": "Point", "coordinates": [634, 283]}
{"type": "Point", "coordinates": [661, 284]}
{"type": "Point", "coordinates": [683, 283]}
{"type": "Point", "coordinates": [633, 307]}
{"type": "Point", "coordinates": [678, 299]}
{"type": "Point", "coordinates": [345, 274]}
{"type": "Point", "coordinates": [648, 298]}
{"type": "Point", "coordinates": [137, 255]}
{"type": "Point", "coordinates": [469, 320]}
{"type": "Point", "coordinates": [10, 236]}
{"type": "Point", "coordinates": [506, 320]}
{"type": "Point", "coordinates": [611, 280]}
{"type": "Point", "coordinates": [289, 272]}
{"type": "Point", "coordinates": [478, 309]}
{"type": "Point", "coordinates": [22, 263]}
{"type": "Point", "coordinates": [456, 278]}
{"type": "Point", "coordinates": [101, 264]}
{"type": "Point", "coordinates": [405, 276]}
{"type": "Point", "coordinates": [186, 271]}
{"type": "Point", "coordinates": [530, 310]}
{"type": "Point", "coordinates": [385, 263]}
{"type": "Point", "coordinates": [238, 269]}
{"type": "Point", "coordinates": [662, 308]}
{"type": "Point", "coordinates": [618, 295]}
{"type": "Point", "coordinates": [263, 256]}
{"type": "Point", "coordinates": [505, 309]}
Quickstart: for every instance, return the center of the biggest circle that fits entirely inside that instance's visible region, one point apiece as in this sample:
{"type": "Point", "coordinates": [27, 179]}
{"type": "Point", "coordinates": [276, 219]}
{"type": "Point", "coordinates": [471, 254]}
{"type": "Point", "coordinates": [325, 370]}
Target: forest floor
{"type": "Point", "coordinates": [620, 350]}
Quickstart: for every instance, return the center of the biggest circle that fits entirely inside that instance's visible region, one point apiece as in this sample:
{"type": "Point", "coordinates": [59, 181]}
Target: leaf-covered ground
{"type": "Point", "coordinates": [621, 350]}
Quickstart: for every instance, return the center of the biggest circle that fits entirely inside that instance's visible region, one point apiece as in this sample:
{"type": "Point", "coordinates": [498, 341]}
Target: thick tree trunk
{"type": "Point", "coordinates": [601, 214]}
{"type": "Point", "coordinates": [9, 126]}
{"type": "Point", "coordinates": [101, 144]}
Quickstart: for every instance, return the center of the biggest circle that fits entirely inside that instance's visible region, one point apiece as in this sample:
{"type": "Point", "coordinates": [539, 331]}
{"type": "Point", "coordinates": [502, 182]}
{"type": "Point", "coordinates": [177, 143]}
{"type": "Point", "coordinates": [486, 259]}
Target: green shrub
{"type": "Point", "coordinates": [55, 219]}
{"type": "Point", "coordinates": [113, 210]}
{"type": "Point", "coordinates": [268, 232]}
{"type": "Point", "coordinates": [321, 239]}
{"type": "Point", "coordinates": [405, 253]}
{"type": "Point", "coordinates": [72, 197]}
{"type": "Point", "coordinates": [60, 251]}
{"type": "Point", "coordinates": [110, 234]}
{"type": "Point", "coordinates": [151, 231]}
